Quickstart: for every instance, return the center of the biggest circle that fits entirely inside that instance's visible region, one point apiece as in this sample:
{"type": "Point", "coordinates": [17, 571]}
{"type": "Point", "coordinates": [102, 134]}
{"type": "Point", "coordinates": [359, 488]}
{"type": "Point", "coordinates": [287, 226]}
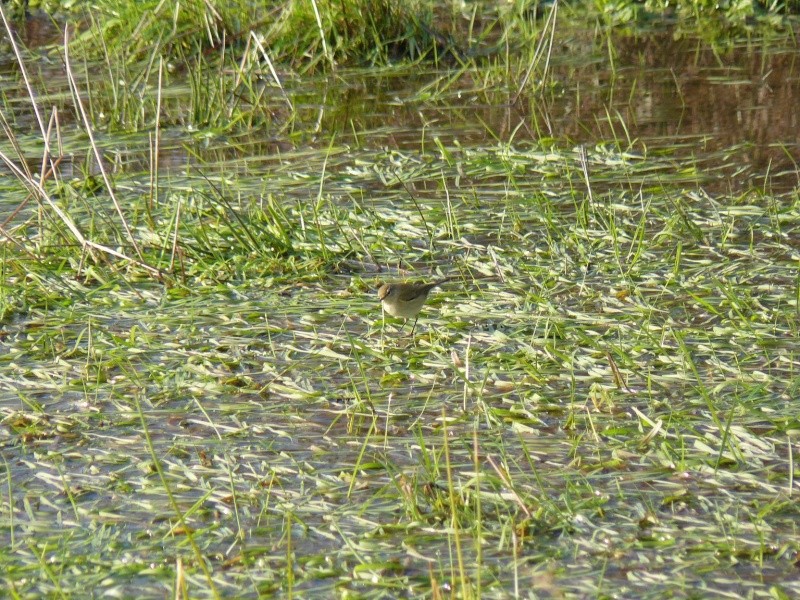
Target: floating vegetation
{"type": "Point", "coordinates": [200, 396]}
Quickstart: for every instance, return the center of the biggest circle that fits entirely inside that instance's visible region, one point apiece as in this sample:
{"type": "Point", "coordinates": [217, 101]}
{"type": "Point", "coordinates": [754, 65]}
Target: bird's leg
{"type": "Point", "coordinates": [414, 327]}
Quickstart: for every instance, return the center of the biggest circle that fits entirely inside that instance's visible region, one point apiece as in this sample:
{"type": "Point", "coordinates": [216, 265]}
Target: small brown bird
{"type": "Point", "coordinates": [405, 300]}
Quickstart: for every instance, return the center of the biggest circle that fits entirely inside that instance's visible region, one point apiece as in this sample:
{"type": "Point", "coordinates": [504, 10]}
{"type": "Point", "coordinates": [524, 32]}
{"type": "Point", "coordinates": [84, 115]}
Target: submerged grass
{"type": "Point", "coordinates": [605, 400]}
{"type": "Point", "coordinates": [225, 412]}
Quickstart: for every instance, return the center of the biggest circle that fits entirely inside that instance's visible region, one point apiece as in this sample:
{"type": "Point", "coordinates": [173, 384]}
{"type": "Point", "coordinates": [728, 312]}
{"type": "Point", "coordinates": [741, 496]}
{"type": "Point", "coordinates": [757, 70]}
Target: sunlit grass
{"type": "Point", "coordinates": [605, 408]}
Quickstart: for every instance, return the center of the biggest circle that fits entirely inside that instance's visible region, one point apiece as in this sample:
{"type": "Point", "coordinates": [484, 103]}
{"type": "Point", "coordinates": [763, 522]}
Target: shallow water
{"type": "Point", "coordinates": [299, 432]}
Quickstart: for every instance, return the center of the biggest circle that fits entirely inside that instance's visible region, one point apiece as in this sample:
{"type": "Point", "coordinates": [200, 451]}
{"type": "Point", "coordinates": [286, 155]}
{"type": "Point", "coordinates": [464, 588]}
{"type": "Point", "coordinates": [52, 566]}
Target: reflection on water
{"type": "Point", "coordinates": [733, 111]}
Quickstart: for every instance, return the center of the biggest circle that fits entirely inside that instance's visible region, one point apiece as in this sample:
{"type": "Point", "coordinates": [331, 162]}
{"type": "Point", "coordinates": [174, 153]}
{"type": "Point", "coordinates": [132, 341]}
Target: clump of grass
{"type": "Point", "coordinates": [302, 35]}
{"type": "Point", "coordinates": [707, 18]}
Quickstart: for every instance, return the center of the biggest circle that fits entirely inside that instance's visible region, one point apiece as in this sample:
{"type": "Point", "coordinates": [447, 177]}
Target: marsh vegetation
{"type": "Point", "coordinates": [200, 396]}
